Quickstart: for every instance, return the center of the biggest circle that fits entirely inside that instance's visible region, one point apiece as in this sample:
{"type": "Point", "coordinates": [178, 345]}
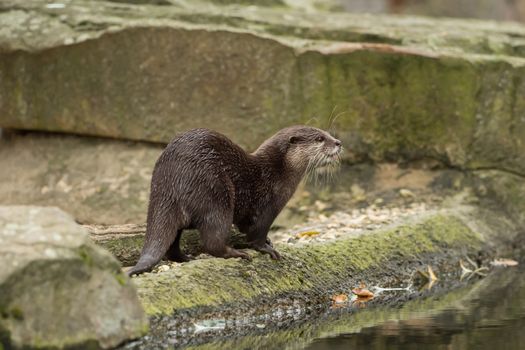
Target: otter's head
{"type": "Point", "coordinates": [305, 149]}
{"type": "Point", "coordinates": [311, 149]}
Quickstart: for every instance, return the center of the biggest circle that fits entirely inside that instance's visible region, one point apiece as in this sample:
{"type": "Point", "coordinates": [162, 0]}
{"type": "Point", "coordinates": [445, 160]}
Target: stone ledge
{"type": "Point", "coordinates": [310, 270]}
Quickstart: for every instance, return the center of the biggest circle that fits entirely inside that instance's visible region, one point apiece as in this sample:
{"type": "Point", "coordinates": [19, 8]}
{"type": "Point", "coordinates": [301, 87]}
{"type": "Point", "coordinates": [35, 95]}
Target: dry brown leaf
{"type": "Point", "coordinates": [360, 301]}
{"type": "Point", "coordinates": [340, 298]}
{"type": "Point", "coordinates": [431, 275]}
{"type": "Point", "coordinates": [307, 234]}
{"type": "Point", "coordinates": [362, 292]}
{"type": "Point", "coordinates": [464, 269]}
{"type": "Point", "coordinates": [504, 262]}
{"type": "Point", "coordinates": [428, 285]}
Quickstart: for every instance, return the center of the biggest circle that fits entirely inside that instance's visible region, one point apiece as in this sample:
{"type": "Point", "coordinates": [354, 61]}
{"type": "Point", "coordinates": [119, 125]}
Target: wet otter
{"type": "Point", "coordinates": [203, 180]}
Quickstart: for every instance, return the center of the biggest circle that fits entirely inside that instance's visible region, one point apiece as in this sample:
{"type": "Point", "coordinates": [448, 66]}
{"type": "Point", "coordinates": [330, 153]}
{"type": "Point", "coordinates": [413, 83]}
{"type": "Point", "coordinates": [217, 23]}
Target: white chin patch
{"type": "Point", "coordinates": [335, 150]}
{"type": "Point", "coordinates": [327, 162]}
{"type": "Point", "coordinates": [323, 169]}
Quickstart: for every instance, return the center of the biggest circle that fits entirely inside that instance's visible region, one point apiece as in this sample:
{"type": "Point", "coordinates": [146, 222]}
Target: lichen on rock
{"type": "Point", "coordinates": [212, 283]}
{"type": "Point", "coordinates": [57, 288]}
{"type": "Point", "coordinates": [403, 87]}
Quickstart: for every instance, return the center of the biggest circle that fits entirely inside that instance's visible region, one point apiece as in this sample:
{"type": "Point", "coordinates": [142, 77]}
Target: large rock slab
{"type": "Point", "coordinates": [401, 87]}
{"type": "Point", "coordinates": [507, 188]}
{"type": "Point", "coordinates": [95, 180]}
{"type": "Point", "coordinates": [57, 289]}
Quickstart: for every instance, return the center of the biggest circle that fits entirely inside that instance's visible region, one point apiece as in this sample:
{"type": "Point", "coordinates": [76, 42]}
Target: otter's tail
{"type": "Point", "coordinates": [145, 264]}
{"type": "Point", "coordinates": [161, 232]}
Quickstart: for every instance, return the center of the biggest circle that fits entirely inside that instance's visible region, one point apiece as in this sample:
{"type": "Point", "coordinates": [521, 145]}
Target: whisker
{"type": "Point", "coordinates": [321, 167]}
{"type": "Point", "coordinates": [335, 118]}
{"type": "Point", "coordinates": [330, 117]}
{"type": "Point", "coordinates": [313, 118]}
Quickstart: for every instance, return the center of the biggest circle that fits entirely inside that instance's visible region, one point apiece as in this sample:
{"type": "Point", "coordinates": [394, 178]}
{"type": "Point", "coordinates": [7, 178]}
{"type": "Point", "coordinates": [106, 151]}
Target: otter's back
{"type": "Point", "coordinates": [196, 163]}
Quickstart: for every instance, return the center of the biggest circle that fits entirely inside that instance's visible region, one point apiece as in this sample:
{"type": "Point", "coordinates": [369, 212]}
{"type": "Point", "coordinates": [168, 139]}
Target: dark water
{"type": "Point", "coordinates": [491, 315]}
{"type": "Point", "coordinates": [486, 314]}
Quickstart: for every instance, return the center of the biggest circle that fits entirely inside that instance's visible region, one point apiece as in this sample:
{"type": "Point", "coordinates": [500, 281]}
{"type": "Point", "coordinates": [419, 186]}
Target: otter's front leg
{"type": "Point", "coordinates": [267, 249]}
{"type": "Point", "coordinates": [257, 236]}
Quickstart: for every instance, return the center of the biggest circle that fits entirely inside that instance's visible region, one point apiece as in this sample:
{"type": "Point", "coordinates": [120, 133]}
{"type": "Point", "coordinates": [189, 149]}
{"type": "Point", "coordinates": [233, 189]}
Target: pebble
{"type": "Point", "coordinates": [163, 268]}
{"type": "Point", "coordinates": [407, 193]}
{"type": "Point", "coordinates": [320, 205]}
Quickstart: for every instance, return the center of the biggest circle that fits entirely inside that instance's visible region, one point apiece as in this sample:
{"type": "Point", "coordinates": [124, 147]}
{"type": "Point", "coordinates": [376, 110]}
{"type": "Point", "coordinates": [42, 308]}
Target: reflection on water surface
{"type": "Point", "coordinates": [490, 316]}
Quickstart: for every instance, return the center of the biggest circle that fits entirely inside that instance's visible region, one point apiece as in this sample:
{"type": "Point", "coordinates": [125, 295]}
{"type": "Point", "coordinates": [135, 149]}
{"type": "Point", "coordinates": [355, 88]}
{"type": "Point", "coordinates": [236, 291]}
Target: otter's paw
{"type": "Point", "coordinates": [234, 253]}
{"type": "Point", "coordinates": [267, 249]}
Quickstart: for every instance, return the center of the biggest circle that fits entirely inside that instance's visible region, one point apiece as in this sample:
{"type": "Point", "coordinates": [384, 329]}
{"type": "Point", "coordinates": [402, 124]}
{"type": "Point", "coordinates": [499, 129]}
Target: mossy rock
{"type": "Point", "coordinates": [315, 268]}
{"type": "Point", "coordinates": [58, 289]}
{"type": "Point", "coordinates": [402, 87]}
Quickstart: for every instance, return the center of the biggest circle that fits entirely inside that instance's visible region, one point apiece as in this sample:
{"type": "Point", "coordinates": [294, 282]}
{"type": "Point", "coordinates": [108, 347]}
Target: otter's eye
{"type": "Point", "coordinates": [294, 139]}
{"type": "Point", "coordinates": [319, 139]}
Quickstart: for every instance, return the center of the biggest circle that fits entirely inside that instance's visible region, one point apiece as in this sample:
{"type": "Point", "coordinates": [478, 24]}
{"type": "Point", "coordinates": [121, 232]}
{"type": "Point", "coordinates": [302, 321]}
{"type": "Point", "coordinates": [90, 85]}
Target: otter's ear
{"type": "Point", "coordinates": [293, 139]}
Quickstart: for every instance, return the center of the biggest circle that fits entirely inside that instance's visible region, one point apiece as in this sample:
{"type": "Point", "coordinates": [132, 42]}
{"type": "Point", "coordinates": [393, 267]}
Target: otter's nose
{"type": "Point", "coordinates": [338, 143]}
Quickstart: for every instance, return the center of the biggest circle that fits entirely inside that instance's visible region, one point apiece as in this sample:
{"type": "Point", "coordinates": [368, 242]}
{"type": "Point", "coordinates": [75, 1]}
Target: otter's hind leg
{"type": "Point", "coordinates": [215, 232]}
{"type": "Point", "coordinates": [174, 252]}
{"type": "Point", "coordinates": [159, 237]}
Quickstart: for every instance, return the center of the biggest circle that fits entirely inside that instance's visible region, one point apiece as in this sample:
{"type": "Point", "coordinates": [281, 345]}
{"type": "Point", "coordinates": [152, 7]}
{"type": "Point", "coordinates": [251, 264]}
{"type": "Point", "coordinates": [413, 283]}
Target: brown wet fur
{"type": "Point", "coordinates": [203, 180]}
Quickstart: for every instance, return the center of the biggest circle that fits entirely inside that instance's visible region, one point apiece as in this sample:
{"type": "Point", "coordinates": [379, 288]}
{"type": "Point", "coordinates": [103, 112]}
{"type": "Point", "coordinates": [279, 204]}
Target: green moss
{"type": "Point", "coordinates": [508, 189]}
{"type": "Point", "coordinates": [85, 255]}
{"type": "Point", "coordinates": [126, 250]}
{"type": "Point", "coordinates": [394, 105]}
{"type": "Point", "coordinates": [17, 313]}
{"type": "Point", "coordinates": [212, 282]}
{"type": "Point", "coordinates": [145, 328]}
{"type": "Point", "coordinates": [3, 311]}
{"type": "Point", "coordinates": [499, 134]}
{"type": "Point", "coordinates": [121, 278]}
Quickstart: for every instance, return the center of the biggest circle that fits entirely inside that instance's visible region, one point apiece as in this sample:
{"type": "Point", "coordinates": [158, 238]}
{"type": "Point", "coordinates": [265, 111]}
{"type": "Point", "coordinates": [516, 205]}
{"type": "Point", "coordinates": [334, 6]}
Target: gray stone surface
{"type": "Point", "coordinates": [95, 180]}
{"type": "Point", "coordinates": [57, 289]}
{"type": "Point", "coordinates": [401, 87]}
